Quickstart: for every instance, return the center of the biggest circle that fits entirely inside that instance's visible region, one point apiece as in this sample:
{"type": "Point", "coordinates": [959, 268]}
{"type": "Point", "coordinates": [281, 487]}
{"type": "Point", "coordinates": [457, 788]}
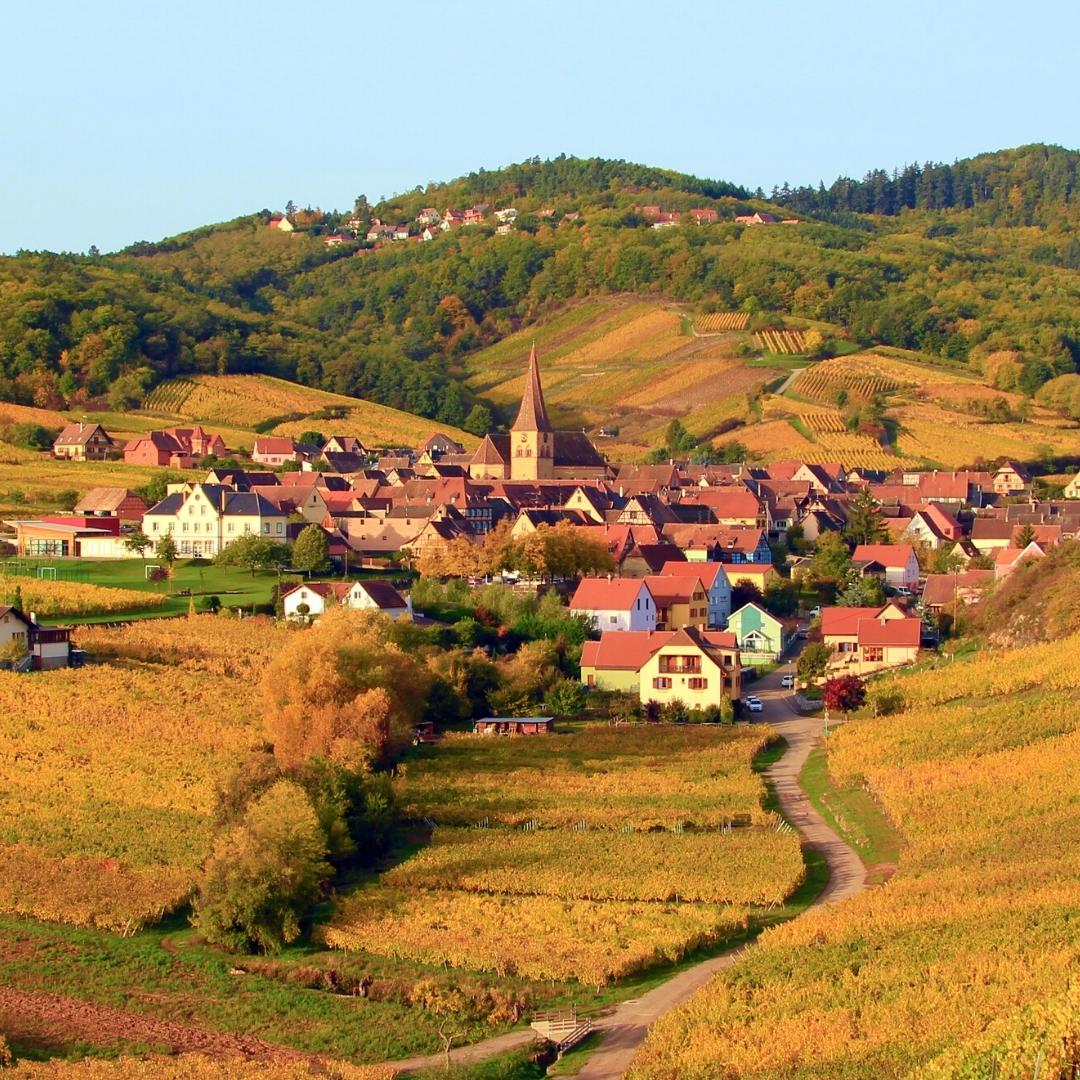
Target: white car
{"type": "Point", "coordinates": [787, 682]}
{"type": "Point", "coordinates": [753, 704]}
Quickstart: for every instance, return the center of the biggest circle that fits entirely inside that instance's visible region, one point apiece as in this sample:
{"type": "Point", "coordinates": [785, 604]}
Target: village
{"type": "Point", "coordinates": [712, 573]}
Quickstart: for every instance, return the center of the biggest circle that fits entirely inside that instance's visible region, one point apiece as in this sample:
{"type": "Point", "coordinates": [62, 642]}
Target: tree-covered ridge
{"type": "Point", "coordinates": [991, 286]}
{"type": "Point", "coordinates": [1018, 186]}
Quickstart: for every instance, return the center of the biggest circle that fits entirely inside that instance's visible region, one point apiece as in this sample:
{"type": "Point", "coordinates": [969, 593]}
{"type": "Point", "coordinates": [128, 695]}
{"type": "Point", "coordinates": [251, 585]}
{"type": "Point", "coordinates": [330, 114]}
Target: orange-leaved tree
{"type": "Point", "coordinates": [343, 690]}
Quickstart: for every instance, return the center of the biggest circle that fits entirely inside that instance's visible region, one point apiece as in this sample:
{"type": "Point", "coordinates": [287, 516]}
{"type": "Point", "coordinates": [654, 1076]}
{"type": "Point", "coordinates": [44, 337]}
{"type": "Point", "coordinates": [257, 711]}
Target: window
{"type": "Point", "coordinates": [613, 618]}
{"type": "Point", "coordinates": [231, 526]}
{"type": "Point", "coordinates": [698, 684]}
{"type": "Point", "coordinates": [680, 665]}
{"type": "Point", "coordinates": [660, 683]}
{"type": "Point", "coordinates": [279, 526]}
{"type": "Point", "coordinates": [266, 526]}
{"type": "Point", "coordinates": [873, 654]}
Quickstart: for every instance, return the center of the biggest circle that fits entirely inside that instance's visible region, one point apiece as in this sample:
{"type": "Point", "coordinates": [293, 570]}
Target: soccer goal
{"type": "Point", "coordinates": [47, 573]}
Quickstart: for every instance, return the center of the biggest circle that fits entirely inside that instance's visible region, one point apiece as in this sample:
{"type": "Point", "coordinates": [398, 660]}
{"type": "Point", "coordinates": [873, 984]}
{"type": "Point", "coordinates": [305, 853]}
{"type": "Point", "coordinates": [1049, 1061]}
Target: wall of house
{"type": "Point", "coordinates": [679, 685]}
{"type": "Point", "coordinates": [610, 679]}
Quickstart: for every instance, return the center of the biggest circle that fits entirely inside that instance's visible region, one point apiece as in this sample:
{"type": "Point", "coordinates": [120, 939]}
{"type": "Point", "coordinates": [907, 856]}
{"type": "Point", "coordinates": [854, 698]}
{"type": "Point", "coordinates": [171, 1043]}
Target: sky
{"type": "Point", "coordinates": [123, 121]}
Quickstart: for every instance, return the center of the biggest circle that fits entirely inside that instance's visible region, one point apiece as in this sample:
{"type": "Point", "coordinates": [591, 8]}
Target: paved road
{"type": "Point", "coordinates": [626, 1026]}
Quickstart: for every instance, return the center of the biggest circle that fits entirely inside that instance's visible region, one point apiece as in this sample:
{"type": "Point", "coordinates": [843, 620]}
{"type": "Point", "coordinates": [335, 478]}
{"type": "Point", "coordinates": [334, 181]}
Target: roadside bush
{"type": "Point", "coordinates": [886, 700]}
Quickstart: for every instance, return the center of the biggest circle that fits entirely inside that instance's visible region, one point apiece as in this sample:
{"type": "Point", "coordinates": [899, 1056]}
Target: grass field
{"type": "Point", "coordinates": [235, 586]}
{"type": "Point", "coordinates": [961, 965]}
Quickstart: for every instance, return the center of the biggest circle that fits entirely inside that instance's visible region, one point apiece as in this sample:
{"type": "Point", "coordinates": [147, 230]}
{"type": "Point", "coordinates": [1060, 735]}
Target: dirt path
{"type": "Point", "coordinates": [56, 1019]}
{"type": "Point", "coordinates": [624, 1029]}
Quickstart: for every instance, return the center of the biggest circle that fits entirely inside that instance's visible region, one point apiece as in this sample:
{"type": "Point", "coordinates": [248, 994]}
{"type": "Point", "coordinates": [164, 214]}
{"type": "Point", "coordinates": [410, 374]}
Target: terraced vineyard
{"type": "Point", "coordinates": [577, 848]}
{"type": "Point", "coordinates": [781, 342]}
{"type": "Point", "coordinates": [826, 380]}
{"type": "Point", "coordinates": [718, 321]}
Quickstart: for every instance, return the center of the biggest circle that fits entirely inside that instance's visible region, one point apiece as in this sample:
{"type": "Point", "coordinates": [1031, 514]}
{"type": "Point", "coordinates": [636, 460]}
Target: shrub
{"type": "Point", "coordinates": [565, 698]}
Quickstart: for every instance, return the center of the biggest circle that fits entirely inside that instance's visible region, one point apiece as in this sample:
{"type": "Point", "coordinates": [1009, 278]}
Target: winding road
{"type": "Point", "coordinates": [624, 1028]}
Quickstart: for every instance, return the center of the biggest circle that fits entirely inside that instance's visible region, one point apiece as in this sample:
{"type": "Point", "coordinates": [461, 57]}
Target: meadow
{"type": "Point", "coordinates": [961, 965]}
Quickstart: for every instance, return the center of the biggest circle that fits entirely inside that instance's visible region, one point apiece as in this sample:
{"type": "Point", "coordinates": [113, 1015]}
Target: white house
{"type": "Point", "coordinates": [714, 577]}
{"type": "Point", "coordinates": [899, 561]}
{"type": "Point", "coordinates": [204, 518]}
{"type": "Point", "coordinates": [310, 599]}
{"type": "Point", "coordinates": [615, 604]}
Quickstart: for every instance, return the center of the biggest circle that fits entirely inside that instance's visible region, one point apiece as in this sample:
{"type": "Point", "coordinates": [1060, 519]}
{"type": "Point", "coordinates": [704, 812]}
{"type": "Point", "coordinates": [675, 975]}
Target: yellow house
{"type": "Point", "coordinates": [698, 669]}
{"type": "Point", "coordinates": [680, 602]}
{"type": "Point", "coordinates": [758, 574]}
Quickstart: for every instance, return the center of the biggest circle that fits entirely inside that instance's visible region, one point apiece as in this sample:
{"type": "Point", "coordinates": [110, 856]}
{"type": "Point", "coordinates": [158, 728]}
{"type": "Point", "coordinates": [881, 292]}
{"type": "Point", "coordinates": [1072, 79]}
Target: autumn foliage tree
{"type": "Point", "coordinates": [344, 691]}
{"type": "Point", "coordinates": [843, 694]}
{"type": "Point", "coordinates": [264, 874]}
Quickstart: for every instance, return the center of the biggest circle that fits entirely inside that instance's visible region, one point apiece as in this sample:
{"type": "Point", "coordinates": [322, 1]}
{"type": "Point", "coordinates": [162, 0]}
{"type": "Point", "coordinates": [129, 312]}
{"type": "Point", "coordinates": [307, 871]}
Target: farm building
{"type": "Point", "coordinates": [515, 725]}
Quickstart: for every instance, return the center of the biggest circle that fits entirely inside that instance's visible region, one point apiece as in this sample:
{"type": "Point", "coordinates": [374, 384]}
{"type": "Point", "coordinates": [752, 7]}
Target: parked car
{"type": "Point", "coordinates": [902, 590]}
{"type": "Point", "coordinates": [801, 633]}
{"type": "Point", "coordinates": [753, 704]}
{"type": "Point", "coordinates": [788, 682]}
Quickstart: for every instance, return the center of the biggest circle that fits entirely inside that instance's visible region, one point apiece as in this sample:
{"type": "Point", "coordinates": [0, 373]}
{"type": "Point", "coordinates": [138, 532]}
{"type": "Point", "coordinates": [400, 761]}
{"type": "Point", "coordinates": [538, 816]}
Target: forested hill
{"type": "Point", "coordinates": [996, 290]}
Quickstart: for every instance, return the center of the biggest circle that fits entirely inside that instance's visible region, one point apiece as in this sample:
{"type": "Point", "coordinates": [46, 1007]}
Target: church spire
{"type": "Point", "coordinates": [532, 416]}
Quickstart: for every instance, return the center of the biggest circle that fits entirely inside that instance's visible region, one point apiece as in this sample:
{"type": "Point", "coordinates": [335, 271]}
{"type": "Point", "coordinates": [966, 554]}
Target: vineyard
{"type": "Point", "coordinates": [169, 397]}
{"type": "Point", "coordinates": [195, 1067]}
{"type": "Point", "coordinates": [718, 321]}
{"type": "Point", "coordinates": [56, 598]}
{"type": "Point", "coordinates": [825, 382]}
{"type": "Point", "coordinates": [781, 342]}
{"type": "Point", "coordinates": [582, 862]}
{"type": "Point", "coordinates": [961, 965]}
{"type": "Point", "coordinates": [107, 783]}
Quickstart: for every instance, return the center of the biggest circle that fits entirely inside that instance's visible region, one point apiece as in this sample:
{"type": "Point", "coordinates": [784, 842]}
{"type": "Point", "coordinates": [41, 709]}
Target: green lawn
{"type": "Point", "coordinates": [855, 816]}
{"type": "Point", "coordinates": [236, 586]}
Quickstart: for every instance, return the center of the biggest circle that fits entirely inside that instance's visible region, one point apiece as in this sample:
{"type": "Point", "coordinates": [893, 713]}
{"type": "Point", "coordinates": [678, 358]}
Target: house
{"type": "Point", "coordinates": [761, 636]}
{"type": "Point", "coordinates": [83, 442]}
{"type": "Point", "coordinates": [899, 560]}
{"type": "Point", "coordinates": [880, 643]}
{"type": "Point", "coordinates": [205, 518]}
{"type": "Point", "coordinates": [932, 525]}
{"type": "Point", "coordinates": [121, 503]}
{"type": "Point", "coordinates": [439, 444]}
{"type": "Point", "coordinates": [943, 592]}
{"type": "Point", "coordinates": [680, 601]}
{"type": "Point", "coordinates": [717, 587]}
{"type": "Point", "coordinates": [1006, 560]}
{"type": "Point", "coordinates": [47, 647]}
{"type": "Point", "coordinates": [989, 534]}
{"type": "Point", "coordinates": [344, 444]}
{"type": "Point", "coordinates": [1011, 478]}
{"type": "Point", "coordinates": [336, 239]}
{"type": "Point", "coordinates": [176, 448]}
{"type": "Point", "coordinates": [399, 232]}
{"type": "Point", "coordinates": [755, 574]}
{"type": "Point", "coordinates": [1072, 488]}
{"type": "Point", "coordinates": [428, 216]}
{"type": "Point", "coordinates": [379, 231]}
{"type": "Point", "coordinates": [840, 625]}
{"type": "Point", "coordinates": [281, 223]}
{"type": "Point", "coordinates": [697, 668]}
{"type": "Point", "coordinates": [507, 214]}
{"type": "Point", "coordinates": [705, 215]}
{"type": "Point", "coordinates": [515, 725]}
{"type": "Point", "coordinates": [430, 232]}
{"type": "Point", "coordinates": [756, 218]}
{"type": "Point", "coordinates": [615, 604]}
{"type": "Point", "coordinates": [310, 599]}
{"type": "Point", "coordinates": [273, 450]}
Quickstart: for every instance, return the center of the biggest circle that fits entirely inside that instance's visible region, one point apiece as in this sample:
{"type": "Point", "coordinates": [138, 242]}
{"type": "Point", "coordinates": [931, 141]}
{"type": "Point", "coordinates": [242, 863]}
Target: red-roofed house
{"type": "Point", "coordinates": [717, 587]}
{"type": "Point", "coordinates": [273, 450]}
{"type": "Point", "coordinates": [698, 668]}
{"type": "Point", "coordinates": [615, 604]}
{"type": "Point", "coordinates": [310, 599]}
{"type": "Point", "coordinates": [880, 643]}
{"type": "Point", "coordinates": [899, 560]}
{"type": "Point", "coordinates": [942, 591]}
{"type": "Point", "coordinates": [680, 602]}
{"type": "Point", "coordinates": [840, 625]}
{"type": "Point", "coordinates": [1006, 560]}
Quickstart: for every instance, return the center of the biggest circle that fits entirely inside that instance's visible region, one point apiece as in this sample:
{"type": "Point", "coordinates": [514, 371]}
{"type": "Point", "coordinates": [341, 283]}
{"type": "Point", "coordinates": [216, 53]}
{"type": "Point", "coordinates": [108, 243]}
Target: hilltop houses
{"type": "Point", "coordinates": [175, 448]}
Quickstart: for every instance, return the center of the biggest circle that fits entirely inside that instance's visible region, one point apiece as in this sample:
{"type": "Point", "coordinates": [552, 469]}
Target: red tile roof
{"type": "Point", "coordinates": [890, 632]}
{"type": "Point", "coordinates": [708, 572]}
{"type": "Point", "coordinates": [628, 650]}
{"type": "Point", "coordinates": [844, 621]}
{"type": "Point", "coordinates": [606, 594]}
{"type": "Point", "coordinates": [891, 555]}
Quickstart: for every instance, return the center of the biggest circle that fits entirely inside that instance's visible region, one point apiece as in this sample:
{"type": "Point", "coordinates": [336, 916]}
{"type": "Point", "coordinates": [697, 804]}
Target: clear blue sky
{"type": "Point", "coordinates": [127, 120]}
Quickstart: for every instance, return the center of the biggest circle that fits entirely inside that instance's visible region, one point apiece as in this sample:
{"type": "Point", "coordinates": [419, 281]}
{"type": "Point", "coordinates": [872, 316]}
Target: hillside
{"type": "Point", "coordinates": [961, 965]}
{"type": "Point", "coordinates": [979, 270]}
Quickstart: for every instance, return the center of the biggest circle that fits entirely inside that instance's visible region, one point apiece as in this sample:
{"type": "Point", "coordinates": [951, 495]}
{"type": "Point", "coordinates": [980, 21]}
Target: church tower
{"type": "Point", "coordinates": [532, 440]}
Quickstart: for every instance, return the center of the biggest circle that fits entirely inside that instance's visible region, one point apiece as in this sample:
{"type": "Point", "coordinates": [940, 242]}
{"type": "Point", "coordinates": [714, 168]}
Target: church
{"type": "Point", "coordinates": [534, 450]}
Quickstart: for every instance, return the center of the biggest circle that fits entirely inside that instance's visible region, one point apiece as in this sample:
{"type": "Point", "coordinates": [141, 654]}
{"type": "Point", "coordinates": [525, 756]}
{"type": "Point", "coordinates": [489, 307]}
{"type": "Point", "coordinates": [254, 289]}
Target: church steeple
{"type": "Point", "coordinates": [532, 438]}
{"type": "Point", "coordinates": [532, 416]}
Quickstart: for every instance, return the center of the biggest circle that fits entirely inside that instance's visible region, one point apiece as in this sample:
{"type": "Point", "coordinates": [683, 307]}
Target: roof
{"type": "Point", "coordinates": [607, 594]}
{"type": "Point", "coordinates": [672, 589]}
{"type": "Point", "coordinates": [489, 453]}
{"type": "Point", "coordinates": [337, 589]}
{"type": "Point", "coordinates": [890, 632]}
{"type": "Point", "coordinates": [891, 555]}
{"type": "Point", "coordinates": [574, 449]}
{"type": "Point", "coordinates": [104, 499]}
{"type": "Point", "coordinates": [707, 572]}
{"type": "Point", "coordinates": [383, 594]}
{"type": "Point", "coordinates": [654, 555]}
{"type": "Point", "coordinates": [844, 621]}
{"type": "Point", "coordinates": [939, 588]}
{"type": "Point", "coordinates": [273, 444]}
{"type": "Point", "coordinates": [79, 434]}
{"type": "Point", "coordinates": [628, 650]}
{"type": "Point", "coordinates": [532, 416]}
